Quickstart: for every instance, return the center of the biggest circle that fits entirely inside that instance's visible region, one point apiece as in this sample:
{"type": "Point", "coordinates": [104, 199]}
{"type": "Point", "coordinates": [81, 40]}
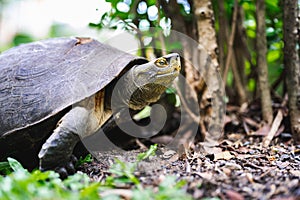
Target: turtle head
{"type": "Point", "coordinates": [160, 71]}
{"type": "Point", "coordinates": [148, 81]}
{"type": "Point", "coordinates": [143, 84]}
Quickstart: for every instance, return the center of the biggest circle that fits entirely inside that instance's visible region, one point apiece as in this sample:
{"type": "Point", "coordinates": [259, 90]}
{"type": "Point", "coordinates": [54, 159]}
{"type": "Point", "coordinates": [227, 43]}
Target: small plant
{"type": "Point", "coordinates": [18, 183]}
{"type": "Point", "coordinates": [168, 189]}
{"type": "Point", "coordinates": [123, 173]}
{"type": "Point", "coordinates": [5, 168]}
{"type": "Point", "coordinates": [87, 159]}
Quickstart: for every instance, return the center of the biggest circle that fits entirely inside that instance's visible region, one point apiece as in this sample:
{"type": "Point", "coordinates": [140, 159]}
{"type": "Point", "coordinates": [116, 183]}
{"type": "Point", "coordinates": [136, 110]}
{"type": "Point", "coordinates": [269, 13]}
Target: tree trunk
{"type": "Point", "coordinates": [234, 60]}
{"type": "Point", "coordinates": [241, 49]}
{"type": "Point", "coordinates": [261, 61]}
{"type": "Point", "coordinates": [199, 60]}
{"type": "Point", "coordinates": [222, 34]}
{"type": "Point", "coordinates": [186, 88]}
{"type": "Point", "coordinates": [291, 64]}
{"type": "Point", "coordinates": [207, 38]}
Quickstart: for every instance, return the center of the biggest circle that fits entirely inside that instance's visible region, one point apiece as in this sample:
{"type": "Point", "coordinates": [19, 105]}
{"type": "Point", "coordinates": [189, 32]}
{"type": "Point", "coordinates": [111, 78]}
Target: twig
{"type": "Point", "coordinates": [184, 104]}
{"type": "Point", "coordinates": [231, 39]}
{"type": "Point", "coordinates": [267, 172]}
{"type": "Point", "coordinates": [140, 144]}
{"type": "Point", "coordinates": [133, 27]}
{"type": "Point", "coordinates": [162, 42]}
{"type": "Point", "coordinates": [276, 123]}
{"type": "Point", "coordinates": [160, 35]}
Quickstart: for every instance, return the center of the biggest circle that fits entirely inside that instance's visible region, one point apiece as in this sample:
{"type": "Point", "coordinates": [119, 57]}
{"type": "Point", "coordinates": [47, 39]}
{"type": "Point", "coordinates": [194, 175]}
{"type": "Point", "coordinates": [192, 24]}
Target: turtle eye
{"type": "Point", "coordinates": [161, 62]}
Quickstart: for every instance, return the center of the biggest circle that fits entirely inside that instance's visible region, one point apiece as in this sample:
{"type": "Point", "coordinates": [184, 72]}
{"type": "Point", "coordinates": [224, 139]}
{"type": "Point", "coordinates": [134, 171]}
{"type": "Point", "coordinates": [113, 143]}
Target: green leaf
{"type": "Point", "coordinates": [151, 152]}
{"type": "Point", "coordinates": [21, 38]}
{"type": "Point", "coordinates": [5, 168]}
{"type": "Point", "coordinates": [151, 2]}
{"type": "Point", "coordinates": [143, 113]}
{"type": "Point", "coordinates": [88, 159]}
{"type": "Point", "coordinates": [274, 55]}
{"type": "Point", "coordinates": [77, 182]}
{"type": "Point", "coordinates": [113, 2]}
{"type": "Point", "coordinates": [15, 165]}
{"type": "Point", "coordinates": [272, 5]}
{"type": "Point", "coordinates": [171, 46]}
{"type": "Point", "coordinates": [251, 33]}
{"type": "Point", "coordinates": [170, 90]}
{"type": "Point", "coordinates": [252, 85]}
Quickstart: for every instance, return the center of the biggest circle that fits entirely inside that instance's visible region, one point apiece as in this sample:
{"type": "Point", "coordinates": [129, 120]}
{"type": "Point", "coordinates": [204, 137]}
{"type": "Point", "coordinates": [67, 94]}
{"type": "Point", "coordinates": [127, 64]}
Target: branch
{"type": "Point", "coordinates": [231, 39]}
{"type": "Point", "coordinates": [185, 105]}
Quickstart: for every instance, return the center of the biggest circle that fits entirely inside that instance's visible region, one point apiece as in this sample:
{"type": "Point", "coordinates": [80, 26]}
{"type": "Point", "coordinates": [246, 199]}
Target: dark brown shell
{"type": "Point", "coordinates": [40, 79]}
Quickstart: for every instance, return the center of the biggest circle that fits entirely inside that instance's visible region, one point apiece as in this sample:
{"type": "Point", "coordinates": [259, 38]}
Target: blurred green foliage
{"type": "Point", "coordinates": [20, 184]}
{"type": "Point", "coordinates": [21, 38]}
{"type": "Point", "coordinates": [138, 16]}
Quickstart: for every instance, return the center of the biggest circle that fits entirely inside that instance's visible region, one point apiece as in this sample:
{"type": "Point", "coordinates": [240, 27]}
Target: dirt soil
{"type": "Point", "coordinates": [239, 168]}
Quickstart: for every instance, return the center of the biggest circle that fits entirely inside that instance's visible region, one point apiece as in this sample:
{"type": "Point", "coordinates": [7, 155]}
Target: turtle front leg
{"type": "Point", "coordinates": [56, 152]}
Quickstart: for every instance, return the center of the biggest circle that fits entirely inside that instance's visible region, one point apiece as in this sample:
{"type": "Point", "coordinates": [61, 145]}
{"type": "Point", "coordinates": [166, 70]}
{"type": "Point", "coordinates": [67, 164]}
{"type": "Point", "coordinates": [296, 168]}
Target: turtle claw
{"type": "Point", "coordinates": [66, 170]}
{"type": "Point", "coordinates": [63, 173]}
{"type": "Point", "coordinates": [63, 170]}
{"type": "Point", "coordinates": [70, 168]}
{"type": "Point", "coordinates": [56, 152]}
{"type": "Point", "coordinates": [74, 160]}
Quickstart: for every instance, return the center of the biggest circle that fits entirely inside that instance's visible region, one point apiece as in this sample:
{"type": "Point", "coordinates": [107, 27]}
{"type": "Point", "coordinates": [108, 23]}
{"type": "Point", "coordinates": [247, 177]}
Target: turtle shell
{"type": "Point", "coordinates": [38, 80]}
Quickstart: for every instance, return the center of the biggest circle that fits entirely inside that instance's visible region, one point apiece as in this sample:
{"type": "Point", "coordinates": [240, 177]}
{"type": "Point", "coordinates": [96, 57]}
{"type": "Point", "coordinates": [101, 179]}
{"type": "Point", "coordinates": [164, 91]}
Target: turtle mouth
{"type": "Point", "coordinates": [166, 72]}
{"type": "Point", "coordinates": [167, 78]}
{"type": "Point", "coordinates": [169, 73]}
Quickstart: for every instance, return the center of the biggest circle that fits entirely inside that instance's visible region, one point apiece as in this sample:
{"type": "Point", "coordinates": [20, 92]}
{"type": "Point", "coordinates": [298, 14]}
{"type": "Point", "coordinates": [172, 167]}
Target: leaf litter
{"type": "Point", "coordinates": [252, 161]}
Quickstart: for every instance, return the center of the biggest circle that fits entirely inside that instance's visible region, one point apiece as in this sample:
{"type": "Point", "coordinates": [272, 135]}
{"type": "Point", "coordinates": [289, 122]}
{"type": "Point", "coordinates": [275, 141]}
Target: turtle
{"type": "Point", "coordinates": [55, 91]}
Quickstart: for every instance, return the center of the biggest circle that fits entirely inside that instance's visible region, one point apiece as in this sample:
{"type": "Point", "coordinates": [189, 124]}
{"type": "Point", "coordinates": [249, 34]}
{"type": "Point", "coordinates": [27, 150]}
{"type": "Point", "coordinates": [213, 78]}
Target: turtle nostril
{"type": "Point", "coordinates": [178, 64]}
{"type": "Point", "coordinates": [177, 67]}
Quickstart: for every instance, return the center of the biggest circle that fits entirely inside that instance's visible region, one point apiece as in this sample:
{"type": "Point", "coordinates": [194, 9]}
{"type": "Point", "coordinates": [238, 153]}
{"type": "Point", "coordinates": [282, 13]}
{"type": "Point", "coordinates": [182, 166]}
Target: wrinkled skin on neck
{"type": "Point", "coordinates": [137, 97]}
{"type": "Point", "coordinates": [144, 84]}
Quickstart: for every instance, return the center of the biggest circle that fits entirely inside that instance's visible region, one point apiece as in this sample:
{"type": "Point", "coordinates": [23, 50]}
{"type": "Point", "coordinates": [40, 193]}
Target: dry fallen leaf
{"type": "Point", "coordinates": [274, 128]}
{"type": "Point", "coordinates": [271, 158]}
{"type": "Point", "coordinates": [205, 175]}
{"type": "Point", "coordinates": [262, 131]}
{"type": "Point", "coordinates": [226, 155]}
{"type": "Point", "coordinates": [233, 195]}
{"type": "Point", "coordinates": [295, 172]}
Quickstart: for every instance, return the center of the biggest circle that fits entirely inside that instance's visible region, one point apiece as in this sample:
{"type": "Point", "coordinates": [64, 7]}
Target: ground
{"type": "Point", "coordinates": [239, 168]}
{"type": "Point", "coordinates": [242, 166]}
